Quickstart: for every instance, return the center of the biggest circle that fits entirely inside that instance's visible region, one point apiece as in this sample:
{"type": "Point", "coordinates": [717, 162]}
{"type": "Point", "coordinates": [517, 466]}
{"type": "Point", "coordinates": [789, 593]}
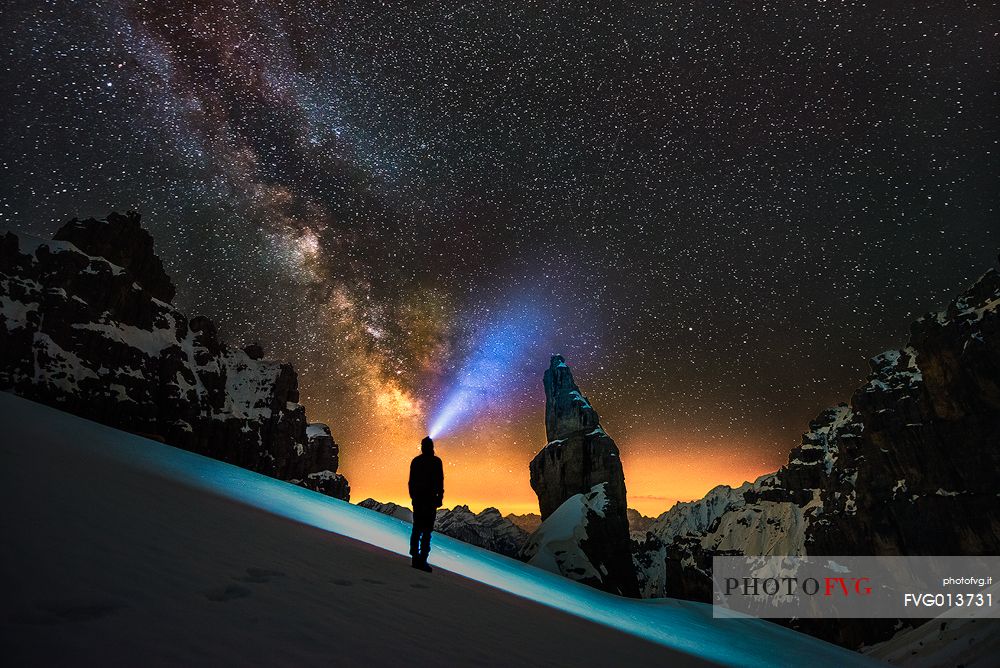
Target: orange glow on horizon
{"type": "Point", "coordinates": [655, 482]}
{"type": "Point", "coordinates": [481, 474]}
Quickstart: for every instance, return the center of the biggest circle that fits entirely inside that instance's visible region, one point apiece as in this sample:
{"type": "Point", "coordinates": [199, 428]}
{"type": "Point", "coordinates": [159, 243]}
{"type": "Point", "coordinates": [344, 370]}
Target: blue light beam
{"type": "Point", "coordinates": [490, 369]}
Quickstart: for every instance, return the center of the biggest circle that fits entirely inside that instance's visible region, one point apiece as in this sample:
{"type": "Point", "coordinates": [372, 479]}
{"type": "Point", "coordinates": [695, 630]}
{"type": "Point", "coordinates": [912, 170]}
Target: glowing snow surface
{"type": "Point", "coordinates": [681, 625]}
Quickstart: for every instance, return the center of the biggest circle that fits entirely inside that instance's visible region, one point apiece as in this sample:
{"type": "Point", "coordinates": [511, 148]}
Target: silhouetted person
{"type": "Point", "coordinates": [426, 494]}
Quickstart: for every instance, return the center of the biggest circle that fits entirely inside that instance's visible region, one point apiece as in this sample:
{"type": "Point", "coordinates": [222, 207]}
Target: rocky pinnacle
{"type": "Point", "coordinates": [579, 455]}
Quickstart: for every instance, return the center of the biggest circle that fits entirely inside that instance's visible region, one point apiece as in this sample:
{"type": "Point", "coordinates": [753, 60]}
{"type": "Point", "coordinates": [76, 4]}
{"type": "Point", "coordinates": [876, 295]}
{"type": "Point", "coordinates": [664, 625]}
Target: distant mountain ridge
{"type": "Point", "coordinates": [504, 534]}
{"type": "Point", "coordinates": [486, 529]}
{"type": "Point", "coordinates": [528, 521]}
{"type": "Point", "coordinates": [86, 325]}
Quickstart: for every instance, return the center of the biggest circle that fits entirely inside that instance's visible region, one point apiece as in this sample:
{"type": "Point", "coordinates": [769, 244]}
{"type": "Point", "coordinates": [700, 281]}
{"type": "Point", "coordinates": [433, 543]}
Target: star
{"type": "Point", "coordinates": [363, 189]}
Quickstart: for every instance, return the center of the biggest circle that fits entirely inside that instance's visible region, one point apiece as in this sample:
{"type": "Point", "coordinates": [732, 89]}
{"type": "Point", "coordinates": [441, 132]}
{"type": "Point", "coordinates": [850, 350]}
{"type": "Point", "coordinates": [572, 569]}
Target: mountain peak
{"type": "Point", "coordinates": [567, 411]}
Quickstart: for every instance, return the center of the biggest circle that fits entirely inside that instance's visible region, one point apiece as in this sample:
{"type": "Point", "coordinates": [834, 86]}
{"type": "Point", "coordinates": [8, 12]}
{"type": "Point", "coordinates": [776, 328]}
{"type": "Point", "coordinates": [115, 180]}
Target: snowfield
{"type": "Point", "coordinates": [120, 550]}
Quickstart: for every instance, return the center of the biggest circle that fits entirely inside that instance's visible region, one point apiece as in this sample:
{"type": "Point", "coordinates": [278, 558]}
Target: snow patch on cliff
{"type": "Point", "coordinates": [555, 546]}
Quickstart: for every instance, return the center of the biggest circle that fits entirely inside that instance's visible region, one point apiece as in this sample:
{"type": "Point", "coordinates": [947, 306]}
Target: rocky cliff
{"type": "Point", "coordinates": [910, 466]}
{"type": "Point", "coordinates": [86, 325]}
{"type": "Point", "coordinates": [581, 462]}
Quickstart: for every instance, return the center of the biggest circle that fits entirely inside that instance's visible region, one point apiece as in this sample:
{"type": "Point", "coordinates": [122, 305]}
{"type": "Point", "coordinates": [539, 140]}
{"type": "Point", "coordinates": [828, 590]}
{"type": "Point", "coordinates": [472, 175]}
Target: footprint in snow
{"type": "Point", "coordinates": [259, 575]}
{"type": "Point", "coordinates": [227, 593]}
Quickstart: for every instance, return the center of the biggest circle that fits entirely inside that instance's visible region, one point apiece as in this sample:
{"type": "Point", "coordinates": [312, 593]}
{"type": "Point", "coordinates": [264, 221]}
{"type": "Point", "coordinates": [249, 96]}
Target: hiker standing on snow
{"type": "Point", "coordinates": [427, 495]}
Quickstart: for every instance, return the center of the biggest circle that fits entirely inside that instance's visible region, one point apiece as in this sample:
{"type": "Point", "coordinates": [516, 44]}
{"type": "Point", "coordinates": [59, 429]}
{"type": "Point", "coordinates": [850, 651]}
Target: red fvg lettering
{"type": "Point", "coordinates": [845, 585]}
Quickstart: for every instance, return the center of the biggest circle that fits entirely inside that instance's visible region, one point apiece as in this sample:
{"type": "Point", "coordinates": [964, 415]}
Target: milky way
{"type": "Point", "coordinates": [716, 211]}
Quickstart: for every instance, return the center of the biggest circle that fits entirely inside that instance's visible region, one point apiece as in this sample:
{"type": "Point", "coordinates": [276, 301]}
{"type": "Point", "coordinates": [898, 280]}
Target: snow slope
{"type": "Point", "coordinates": [946, 640]}
{"type": "Point", "coordinates": [118, 550]}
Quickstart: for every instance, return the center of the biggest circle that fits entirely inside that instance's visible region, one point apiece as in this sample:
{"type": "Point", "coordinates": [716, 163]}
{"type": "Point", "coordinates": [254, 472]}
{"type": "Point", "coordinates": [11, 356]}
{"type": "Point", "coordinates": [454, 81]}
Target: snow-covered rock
{"type": "Point", "coordinates": [391, 509]}
{"type": "Point", "coordinates": [86, 325]}
{"type": "Point", "coordinates": [696, 517]}
{"type": "Point", "coordinates": [676, 553]}
{"type": "Point", "coordinates": [558, 544]}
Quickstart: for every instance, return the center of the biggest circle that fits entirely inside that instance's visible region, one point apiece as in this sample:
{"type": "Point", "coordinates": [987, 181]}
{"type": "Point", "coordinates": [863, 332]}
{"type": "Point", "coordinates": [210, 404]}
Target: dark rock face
{"type": "Point", "coordinates": [86, 326]}
{"type": "Point", "coordinates": [911, 466]}
{"type": "Point", "coordinates": [566, 410]}
{"type": "Point", "coordinates": [578, 457]}
{"type": "Point", "coordinates": [924, 463]}
{"type": "Point", "coordinates": [317, 468]}
{"type": "Point", "coordinates": [122, 241]}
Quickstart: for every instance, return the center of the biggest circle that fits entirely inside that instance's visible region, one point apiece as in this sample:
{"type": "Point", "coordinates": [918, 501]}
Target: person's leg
{"type": "Point", "coordinates": [420, 544]}
{"type": "Point", "coordinates": [415, 538]}
{"type": "Point", "coordinates": [418, 538]}
{"type": "Point", "coordinates": [425, 543]}
{"type": "Point", "coordinates": [420, 561]}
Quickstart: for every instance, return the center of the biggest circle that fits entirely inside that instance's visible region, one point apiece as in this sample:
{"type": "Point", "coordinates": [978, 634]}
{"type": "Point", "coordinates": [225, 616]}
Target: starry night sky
{"type": "Point", "coordinates": [716, 211]}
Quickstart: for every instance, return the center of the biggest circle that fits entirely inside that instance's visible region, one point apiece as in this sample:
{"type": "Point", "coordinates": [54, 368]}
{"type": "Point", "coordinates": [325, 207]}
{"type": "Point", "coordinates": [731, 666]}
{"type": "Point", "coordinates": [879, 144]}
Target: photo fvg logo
{"type": "Point", "coordinates": [793, 586]}
{"type": "Point", "coordinates": [859, 586]}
